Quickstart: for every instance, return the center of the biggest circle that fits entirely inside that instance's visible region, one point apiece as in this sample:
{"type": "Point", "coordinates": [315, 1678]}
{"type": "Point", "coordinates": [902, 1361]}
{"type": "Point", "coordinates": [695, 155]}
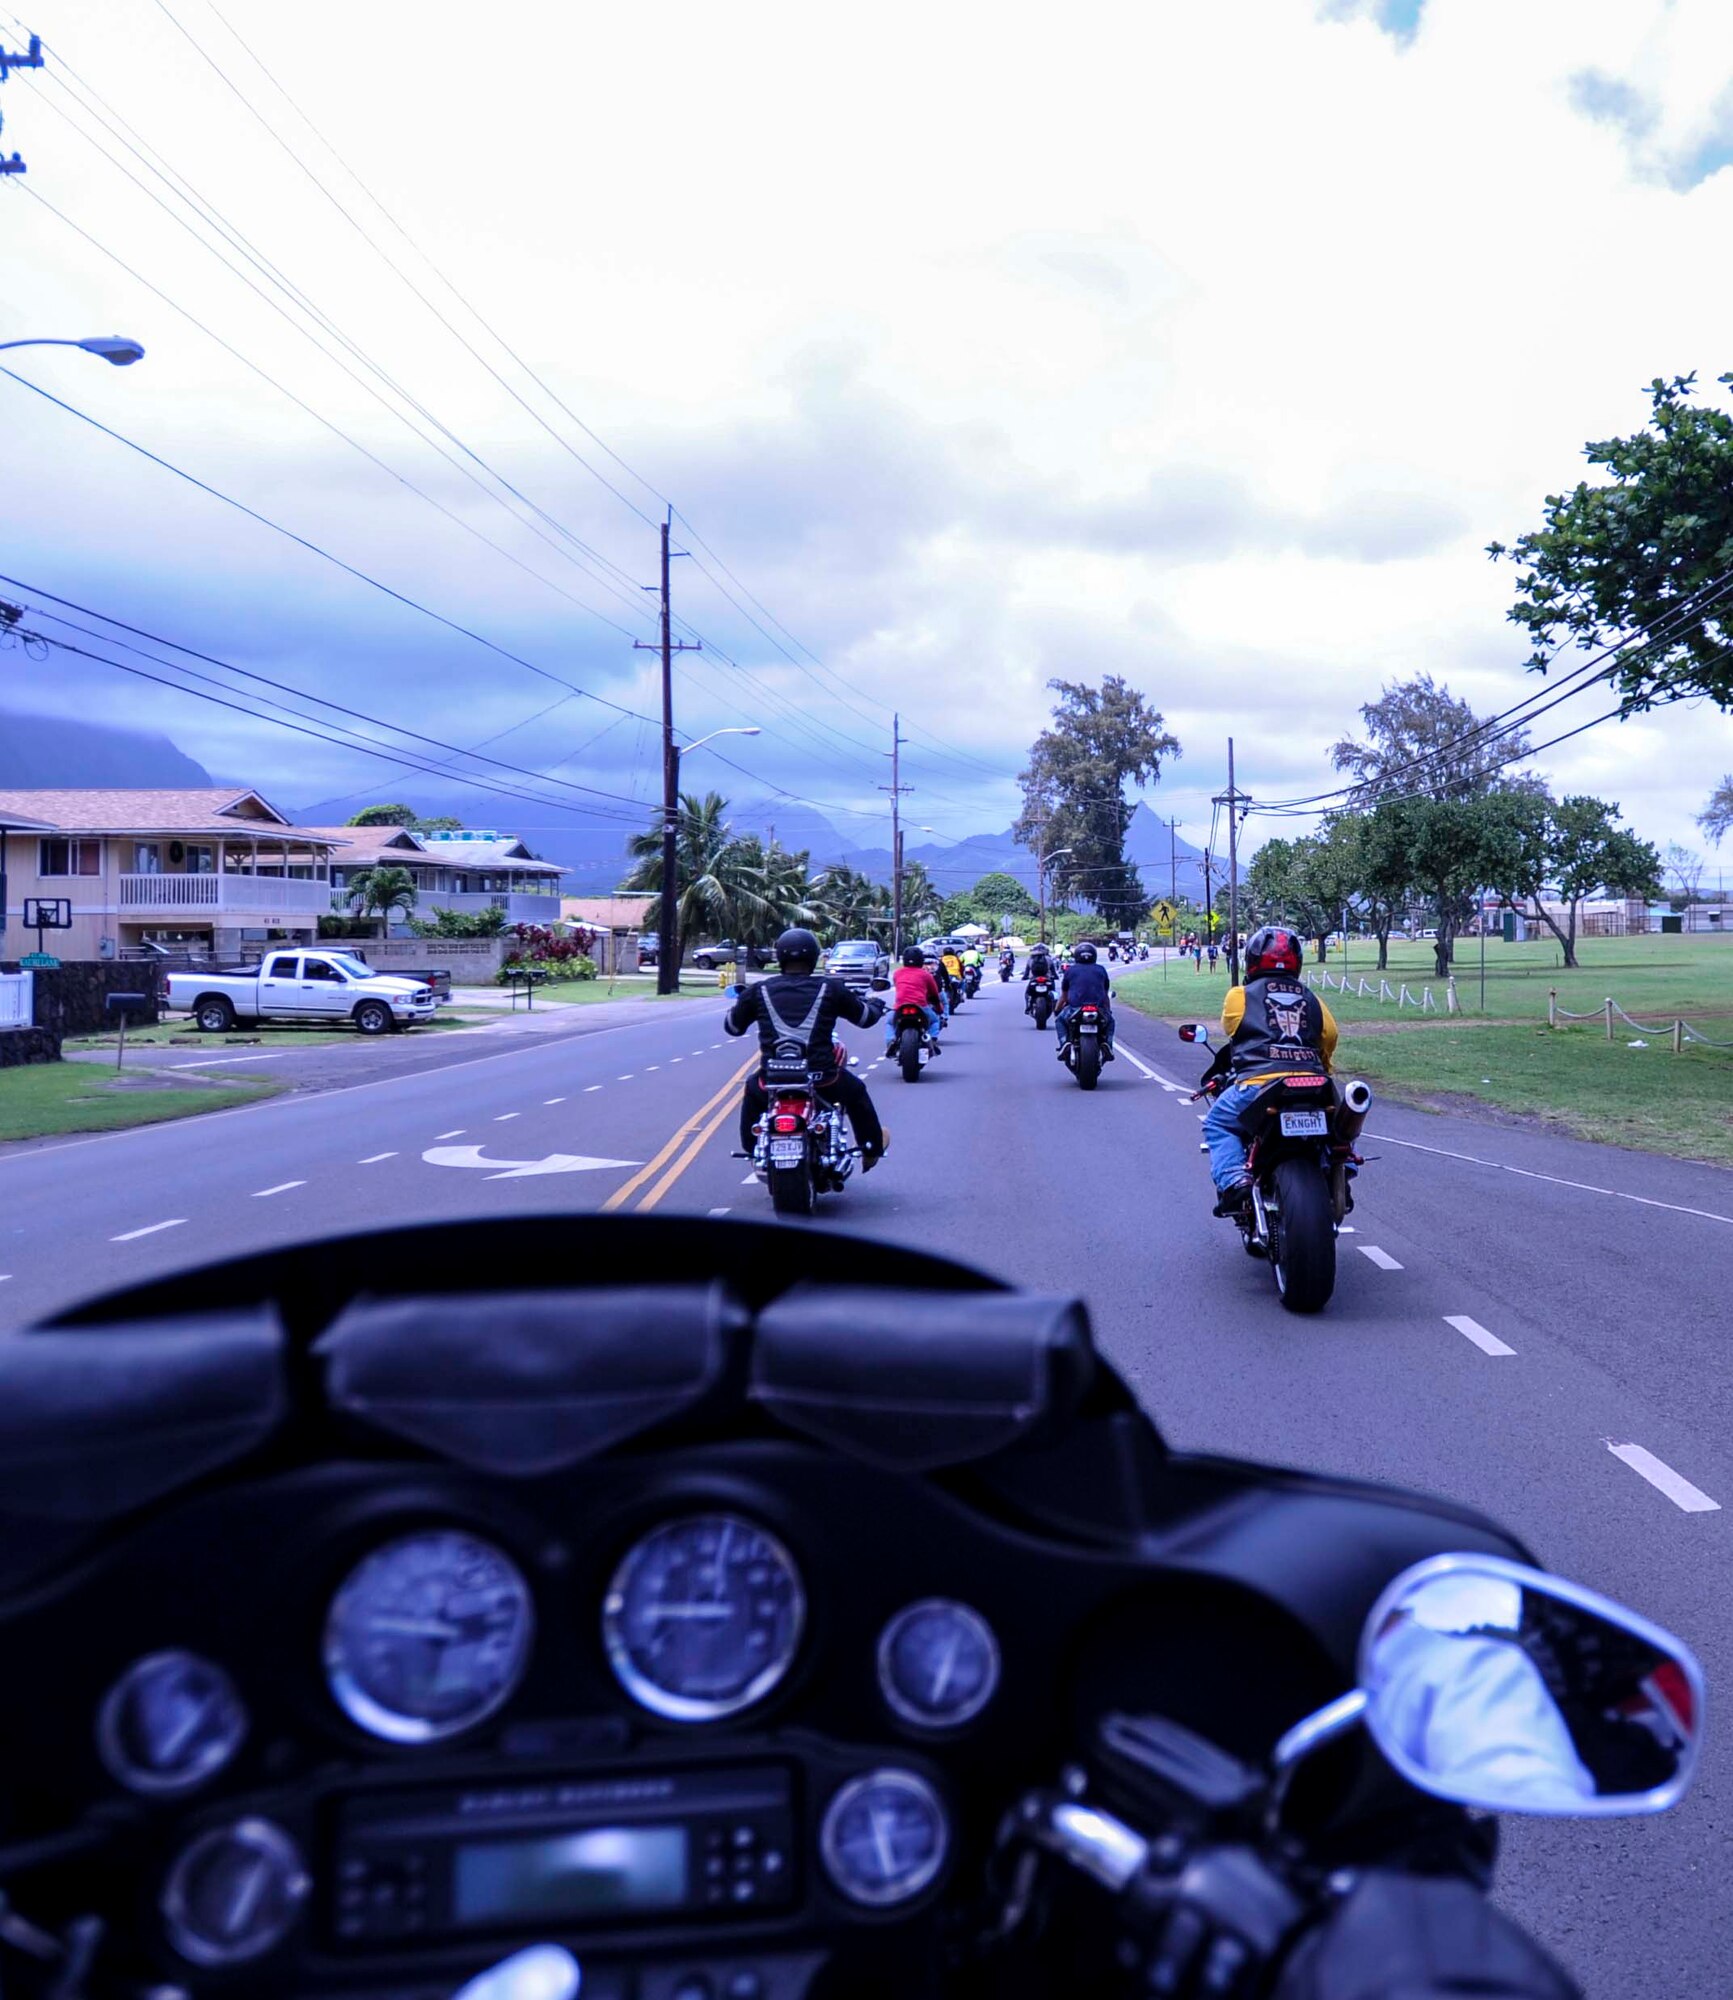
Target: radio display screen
{"type": "Point", "coordinates": [601, 1871]}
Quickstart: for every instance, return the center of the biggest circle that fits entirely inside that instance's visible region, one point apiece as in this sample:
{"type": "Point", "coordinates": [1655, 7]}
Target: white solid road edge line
{"type": "Point", "coordinates": [282, 1187]}
{"type": "Point", "coordinates": [1382, 1258]}
{"type": "Point", "coordinates": [1688, 1498]}
{"type": "Point", "coordinates": [132, 1235]}
{"type": "Point", "coordinates": [1557, 1180]}
{"type": "Point", "coordinates": [1488, 1343]}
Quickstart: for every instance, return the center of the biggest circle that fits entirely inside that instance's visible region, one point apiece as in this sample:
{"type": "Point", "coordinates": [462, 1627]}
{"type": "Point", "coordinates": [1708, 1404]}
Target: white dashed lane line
{"type": "Point", "coordinates": [150, 1229]}
{"type": "Point", "coordinates": [1687, 1498]}
{"type": "Point", "coordinates": [501, 1118]}
{"type": "Point", "coordinates": [651, 1068]}
{"type": "Point", "coordinates": [719, 1211]}
{"type": "Point", "coordinates": [553, 1100]}
{"type": "Point", "coordinates": [627, 1078]}
{"type": "Point", "coordinates": [373, 1159]}
{"type": "Point", "coordinates": [588, 1087]}
{"type": "Point", "coordinates": [282, 1187]}
{"type": "Point", "coordinates": [1471, 1329]}
{"type": "Point", "coordinates": [455, 1133]}
{"type": "Point", "coordinates": [1382, 1258]}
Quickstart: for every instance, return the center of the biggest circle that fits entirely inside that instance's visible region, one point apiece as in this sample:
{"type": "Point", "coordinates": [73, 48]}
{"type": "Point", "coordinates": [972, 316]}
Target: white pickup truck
{"type": "Point", "coordinates": [301, 986]}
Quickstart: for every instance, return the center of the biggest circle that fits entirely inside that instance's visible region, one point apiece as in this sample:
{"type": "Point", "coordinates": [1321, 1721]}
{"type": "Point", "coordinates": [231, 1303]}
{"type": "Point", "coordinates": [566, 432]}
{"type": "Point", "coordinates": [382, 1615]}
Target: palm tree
{"type": "Point", "coordinates": [729, 886]}
{"type": "Point", "coordinates": [384, 889]}
{"type": "Point", "coordinates": [851, 904]}
{"type": "Point", "coordinates": [921, 899]}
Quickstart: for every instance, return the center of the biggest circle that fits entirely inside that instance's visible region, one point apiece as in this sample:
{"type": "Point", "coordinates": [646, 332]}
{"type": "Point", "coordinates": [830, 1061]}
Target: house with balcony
{"type": "Point", "coordinates": [468, 871]}
{"type": "Point", "coordinates": [207, 869]}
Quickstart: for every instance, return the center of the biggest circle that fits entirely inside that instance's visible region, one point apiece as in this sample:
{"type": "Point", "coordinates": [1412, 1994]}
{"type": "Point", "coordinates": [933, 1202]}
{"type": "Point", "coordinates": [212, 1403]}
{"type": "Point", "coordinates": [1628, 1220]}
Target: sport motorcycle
{"type": "Point", "coordinates": [1084, 1047]}
{"type": "Point", "coordinates": [754, 1613]}
{"type": "Point", "coordinates": [1040, 998]}
{"type": "Point", "coordinates": [1302, 1160]}
{"type": "Point", "coordinates": [914, 1042]}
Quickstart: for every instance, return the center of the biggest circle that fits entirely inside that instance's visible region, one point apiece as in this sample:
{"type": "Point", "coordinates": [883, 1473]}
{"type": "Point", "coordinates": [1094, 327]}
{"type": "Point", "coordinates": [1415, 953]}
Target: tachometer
{"type": "Point", "coordinates": [171, 1721]}
{"type": "Point", "coordinates": [884, 1838]}
{"type": "Point", "coordinates": [703, 1617]}
{"type": "Point", "coordinates": [428, 1636]}
{"type": "Point", "coordinates": [938, 1663]}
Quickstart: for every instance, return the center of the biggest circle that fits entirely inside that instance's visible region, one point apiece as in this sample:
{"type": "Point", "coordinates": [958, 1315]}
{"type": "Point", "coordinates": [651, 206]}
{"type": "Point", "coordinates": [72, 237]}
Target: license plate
{"type": "Point", "coordinates": [787, 1152]}
{"type": "Point", "coordinates": [1304, 1124]}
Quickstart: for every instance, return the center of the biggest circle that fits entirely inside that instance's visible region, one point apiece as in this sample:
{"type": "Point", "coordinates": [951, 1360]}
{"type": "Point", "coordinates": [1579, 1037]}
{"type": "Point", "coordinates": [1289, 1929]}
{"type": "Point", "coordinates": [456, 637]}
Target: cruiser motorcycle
{"type": "Point", "coordinates": [801, 1147]}
{"type": "Point", "coordinates": [1303, 1160]}
{"type": "Point", "coordinates": [756, 1613]}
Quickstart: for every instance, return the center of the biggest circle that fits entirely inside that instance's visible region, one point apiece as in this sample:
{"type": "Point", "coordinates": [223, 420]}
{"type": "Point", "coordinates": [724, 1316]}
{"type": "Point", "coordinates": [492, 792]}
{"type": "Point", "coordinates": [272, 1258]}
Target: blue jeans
{"type": "Point", "coordinates": [1225, 1132]}
{"type": "Point", "coordinates": [933, 1026]}
{"type": "Point", "coordinates": [1066, 1015]}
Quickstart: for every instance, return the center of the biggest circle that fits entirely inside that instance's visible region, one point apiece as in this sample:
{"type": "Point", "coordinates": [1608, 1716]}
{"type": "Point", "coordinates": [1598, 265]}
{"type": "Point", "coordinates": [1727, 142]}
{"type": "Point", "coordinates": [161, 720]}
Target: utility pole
{"type": "Point", "coordinates": [1172, 877]}
{"type": "Point", "coordinates": [896, 788]}
{"type": "Point", "coordinates": [668, 922]}
{"type": "Point", "coordinates": [1209, 907]}
{"type": "Point", "coordinates": [1232, 799]}
{"type": "Point", "coordinates": [9, 62]}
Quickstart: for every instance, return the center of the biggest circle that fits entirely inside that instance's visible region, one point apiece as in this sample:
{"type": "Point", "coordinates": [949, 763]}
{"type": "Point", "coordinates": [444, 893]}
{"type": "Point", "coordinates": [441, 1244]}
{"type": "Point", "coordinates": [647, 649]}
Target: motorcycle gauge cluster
{"type": "Point", "coordinates": [703, 1617]}
{"type": "Point", "coordinates": [938, 1663]}
{"type": "Point", "coordinates": [428, 1636]}
{"type": "Point", "coordinates": [170, 1722]}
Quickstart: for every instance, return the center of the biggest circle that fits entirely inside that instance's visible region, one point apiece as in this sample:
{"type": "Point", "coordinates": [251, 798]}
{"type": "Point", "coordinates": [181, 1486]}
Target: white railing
{"type": "Point", "coordinates": [168, 893]}
{"type": "Point", "coordinates": [17, 1009]}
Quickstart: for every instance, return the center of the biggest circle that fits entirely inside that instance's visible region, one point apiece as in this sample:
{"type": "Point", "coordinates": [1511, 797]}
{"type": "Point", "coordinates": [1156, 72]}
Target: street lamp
{"type": "Point", "coordinates": [113, 347]}
{"type": "Point", "coordinates": [667, 939]}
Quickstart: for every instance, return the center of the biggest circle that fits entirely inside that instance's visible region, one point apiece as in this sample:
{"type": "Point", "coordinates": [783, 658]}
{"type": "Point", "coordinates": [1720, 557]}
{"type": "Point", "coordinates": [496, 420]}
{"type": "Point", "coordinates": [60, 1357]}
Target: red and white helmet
{"type": "Point", "coordinates": [1272, 949]}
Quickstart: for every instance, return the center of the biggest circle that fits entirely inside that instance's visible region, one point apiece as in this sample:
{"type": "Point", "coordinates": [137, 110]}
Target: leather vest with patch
{"type": "Point", "coordinates": [1283, 1028]}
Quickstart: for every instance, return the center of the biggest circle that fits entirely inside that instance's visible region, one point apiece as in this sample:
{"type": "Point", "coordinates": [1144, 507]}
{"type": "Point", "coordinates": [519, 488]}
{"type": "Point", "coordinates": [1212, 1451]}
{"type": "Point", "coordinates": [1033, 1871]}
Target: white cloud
{"type": "Point", "coordinates": [984, 343]}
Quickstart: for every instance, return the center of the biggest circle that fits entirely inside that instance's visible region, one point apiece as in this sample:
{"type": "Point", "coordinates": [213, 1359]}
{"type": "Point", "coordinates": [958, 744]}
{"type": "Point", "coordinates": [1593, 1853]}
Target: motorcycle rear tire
{"type": "Point", "coordinates": [1043, 1013]}
{"type": "Point", "coordinates": [1305, 1259]}
{"type": "Point", "coordinates": [792, 1191]}
{"type": "Point", "coordinates": [1087, 1067]}
{"type": "Point", "coordinates": [909, 1054]}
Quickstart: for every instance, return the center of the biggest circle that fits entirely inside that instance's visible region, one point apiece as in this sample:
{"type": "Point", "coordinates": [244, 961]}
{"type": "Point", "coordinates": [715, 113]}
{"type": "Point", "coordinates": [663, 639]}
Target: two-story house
{"type": "Point", "coordinates": [467, 871]}
{"type": "Point", "coordinates": [202, 869]}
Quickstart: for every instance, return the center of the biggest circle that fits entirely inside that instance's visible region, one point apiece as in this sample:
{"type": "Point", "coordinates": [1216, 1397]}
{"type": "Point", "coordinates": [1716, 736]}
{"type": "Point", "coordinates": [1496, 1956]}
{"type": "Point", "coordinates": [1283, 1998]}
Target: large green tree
{"type": "Point", "coordinates": [1419, 737]}
{"type": "Point", "coordinates": [728, 886]}
{"type": "Point", "coordinates": [1454, 847]}
{"type": "Point", "coordinates": [1099, 741]}
{"type": "Point", "coordinates": [1576, 846]}
{"type": "Point", "coordinates": [1641, 551]}
{"type": "Point", "coordinates": [1716, 818]}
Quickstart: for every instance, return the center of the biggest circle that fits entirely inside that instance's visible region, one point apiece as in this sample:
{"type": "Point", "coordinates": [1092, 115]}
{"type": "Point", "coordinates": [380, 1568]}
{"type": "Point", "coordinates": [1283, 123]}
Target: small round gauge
{"type": "Point", "coordinates": [884, 1838]}
{"type": "Point", "coordinates": [170, 1722]}
{"type": "Point", "coordinates": [428, 1636]}
{"type": "Point", "coordinates": [703, 1617]}
{"type": "Point", "coordinates": [938, 1663]}
{"type": "Point", "coordinates": [234, 1893]}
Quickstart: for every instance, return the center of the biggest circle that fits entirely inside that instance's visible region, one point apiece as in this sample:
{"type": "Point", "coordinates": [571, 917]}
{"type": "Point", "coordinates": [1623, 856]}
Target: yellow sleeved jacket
{"type": "Point", "coordinates": [1234, 1012]}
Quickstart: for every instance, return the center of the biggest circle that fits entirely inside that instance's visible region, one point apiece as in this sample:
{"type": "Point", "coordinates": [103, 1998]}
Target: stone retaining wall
{"type": "Point", "coordinates": [27, 1045]}
{"type": "Point", "coordinates": [73, 999]}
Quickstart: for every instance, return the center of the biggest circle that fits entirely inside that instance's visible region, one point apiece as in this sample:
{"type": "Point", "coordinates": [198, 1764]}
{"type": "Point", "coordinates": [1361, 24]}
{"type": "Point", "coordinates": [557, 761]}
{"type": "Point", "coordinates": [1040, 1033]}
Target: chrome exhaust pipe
{"type": "Point", "coordinates": [1351, 1113]}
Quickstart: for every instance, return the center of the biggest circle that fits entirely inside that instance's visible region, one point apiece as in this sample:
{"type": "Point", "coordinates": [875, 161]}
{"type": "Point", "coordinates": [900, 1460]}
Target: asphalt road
{"type": "Point", "coordinates": [1529, 1324]}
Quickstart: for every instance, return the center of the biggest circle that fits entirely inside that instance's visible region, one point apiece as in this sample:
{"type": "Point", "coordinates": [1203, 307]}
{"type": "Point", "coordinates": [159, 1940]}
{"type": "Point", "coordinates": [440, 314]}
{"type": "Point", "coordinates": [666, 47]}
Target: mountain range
{"type": "Point", "coordinates": [40, 750]}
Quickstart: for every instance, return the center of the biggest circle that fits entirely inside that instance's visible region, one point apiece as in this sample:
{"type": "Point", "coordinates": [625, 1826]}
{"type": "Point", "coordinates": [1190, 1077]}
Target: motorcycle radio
{"type": "Point", "coordinates": [420, 1866]}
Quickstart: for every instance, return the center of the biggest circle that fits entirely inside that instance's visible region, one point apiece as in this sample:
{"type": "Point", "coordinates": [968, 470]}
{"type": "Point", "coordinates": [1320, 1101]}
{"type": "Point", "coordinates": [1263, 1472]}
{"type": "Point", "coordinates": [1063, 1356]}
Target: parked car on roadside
{"type": "Point", "coordinates": [755, 957]}
{"type": "Point", "coordinates": [859, 962]}
{"type": "Point", "coordinates": [301, 986]}
{"type": "Point", "coordinates": [647, 946]}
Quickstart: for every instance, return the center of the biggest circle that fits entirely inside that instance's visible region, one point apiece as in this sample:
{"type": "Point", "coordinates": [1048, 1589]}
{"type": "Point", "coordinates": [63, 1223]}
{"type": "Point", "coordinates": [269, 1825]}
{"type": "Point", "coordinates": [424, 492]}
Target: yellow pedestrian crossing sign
{"type": "Point", "coordinates": [1164, 912]}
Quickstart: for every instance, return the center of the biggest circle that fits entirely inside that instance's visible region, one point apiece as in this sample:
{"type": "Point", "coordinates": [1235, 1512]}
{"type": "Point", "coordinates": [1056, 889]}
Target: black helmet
{"type": "Point", "coordinates": [1084, 954]}
{"type": "Point", "coordinates": [913, 955]}
{"type": "Point", "coordinates": [1272, 949]}
{"type": "Point", "coordinates": [797, 947]}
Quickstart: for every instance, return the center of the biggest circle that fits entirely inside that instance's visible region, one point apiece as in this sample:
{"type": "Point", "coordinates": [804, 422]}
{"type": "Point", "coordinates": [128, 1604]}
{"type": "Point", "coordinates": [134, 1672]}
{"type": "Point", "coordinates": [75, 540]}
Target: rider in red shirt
{"type": "Point", "coordinates": [915, 987]}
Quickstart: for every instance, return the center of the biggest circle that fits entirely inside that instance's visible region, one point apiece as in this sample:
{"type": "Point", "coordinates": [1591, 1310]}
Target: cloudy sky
{"type": "Point", "coordinates": [982, 343]}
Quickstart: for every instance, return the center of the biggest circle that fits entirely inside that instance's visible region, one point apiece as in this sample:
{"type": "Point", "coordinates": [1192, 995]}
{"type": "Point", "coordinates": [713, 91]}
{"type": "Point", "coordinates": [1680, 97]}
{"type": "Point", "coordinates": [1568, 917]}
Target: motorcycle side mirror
{"type": "Point", "coordinates": [1497, 1686]}
{"type": "Point", "coordinates": [1194, 1031]}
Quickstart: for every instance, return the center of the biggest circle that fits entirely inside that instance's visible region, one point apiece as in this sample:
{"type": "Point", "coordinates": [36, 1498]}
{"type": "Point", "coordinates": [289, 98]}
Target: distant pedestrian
{"type": "Point", "coordinates": [1212, 954]}
{"type": "Point", "coordinates": [1197, 956]}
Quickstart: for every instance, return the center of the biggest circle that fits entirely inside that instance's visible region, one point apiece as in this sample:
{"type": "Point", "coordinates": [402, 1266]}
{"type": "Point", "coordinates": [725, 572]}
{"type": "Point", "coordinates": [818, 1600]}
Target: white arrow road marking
{"type": "Point", "coordinates": [519, 1170]}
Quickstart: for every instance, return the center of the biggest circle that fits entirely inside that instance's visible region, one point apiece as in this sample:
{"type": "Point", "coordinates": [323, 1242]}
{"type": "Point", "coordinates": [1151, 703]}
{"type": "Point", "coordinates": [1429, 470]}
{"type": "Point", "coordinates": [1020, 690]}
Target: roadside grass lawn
{"type": "Point", "coordinates": [1622, 1096]}
{"type": "Point", "coordinates": [41, 1100]}
{"type": "Point", "coordinates": [593, 992]}
{"type": "Point", "coordinates": [183, 1035]}
{"type": "Point", "coordinates": [1573, 1076]}
{"type": "Point", "coordinates": [1654, 978]}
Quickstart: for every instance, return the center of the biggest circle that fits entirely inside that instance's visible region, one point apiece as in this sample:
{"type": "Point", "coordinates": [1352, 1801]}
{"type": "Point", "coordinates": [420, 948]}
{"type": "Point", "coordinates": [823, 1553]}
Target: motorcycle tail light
{"type": "Point", "coordinates": [786, 1122]}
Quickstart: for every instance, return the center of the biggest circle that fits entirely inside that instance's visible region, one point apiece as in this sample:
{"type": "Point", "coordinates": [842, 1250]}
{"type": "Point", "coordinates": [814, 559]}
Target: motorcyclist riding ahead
{"type": "Point", "coordinates": [916, 987]}
{"type": "Point", "coordinates": [1038, 965]}
{"type": "Point", "coordinates": [1085, 984]}
{"type": "Point", "coordinates": [1275, 1027]}
{"type": "Point", "coordinates": [795, 1005]}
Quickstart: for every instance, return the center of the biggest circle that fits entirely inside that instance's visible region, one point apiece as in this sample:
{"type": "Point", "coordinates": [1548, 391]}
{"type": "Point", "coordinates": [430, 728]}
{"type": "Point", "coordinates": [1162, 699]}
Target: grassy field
{"type": "Point", "coordinates": [1508, 1060]}
{"type": "Point", "coordinates": [43, 1099]}
{"type": "Point", "coordinates": [591, 992]}
{"type": "Point", "coordinates": [183, 1035]}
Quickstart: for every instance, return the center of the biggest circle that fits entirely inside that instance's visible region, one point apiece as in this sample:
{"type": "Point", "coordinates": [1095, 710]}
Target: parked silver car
{"type": "Point", "coordinates": [860, 962]}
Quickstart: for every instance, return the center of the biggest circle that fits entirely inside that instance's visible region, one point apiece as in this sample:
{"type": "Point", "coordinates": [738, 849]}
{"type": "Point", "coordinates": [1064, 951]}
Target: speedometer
{"type": "Point", "coordinates": [428, 1636]}
{"type": "Point", "coordinates": [938, 1663]}
{"type": "Point", "coordinates": [703, 1617]}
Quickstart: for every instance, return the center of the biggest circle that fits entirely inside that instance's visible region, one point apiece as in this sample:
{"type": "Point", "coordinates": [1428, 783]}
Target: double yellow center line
{"type": "Point", "coordinates": [688, 1142]}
